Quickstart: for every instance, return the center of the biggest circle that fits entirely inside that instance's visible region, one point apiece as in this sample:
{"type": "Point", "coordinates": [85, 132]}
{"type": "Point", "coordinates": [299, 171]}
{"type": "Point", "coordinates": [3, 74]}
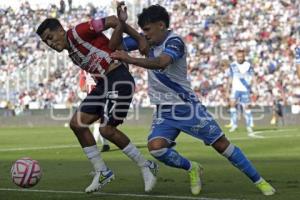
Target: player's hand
{"type": "Point", "coordinates": [122, 11]}
{"type": "Point", "coordinates": [143, 46]}
{"type": "Point", "coordinates": [121, 55]}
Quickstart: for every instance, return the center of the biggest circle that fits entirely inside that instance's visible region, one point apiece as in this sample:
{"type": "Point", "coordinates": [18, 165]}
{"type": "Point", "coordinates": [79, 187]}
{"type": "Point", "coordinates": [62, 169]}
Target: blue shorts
{"type": "Point", "coordinates": [241, 97]}
{"type": "Point", "coordinates": [192, 119]}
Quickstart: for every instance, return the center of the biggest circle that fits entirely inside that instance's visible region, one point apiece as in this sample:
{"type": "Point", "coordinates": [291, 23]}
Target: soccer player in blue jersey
{"type": "Point", "coordinates": [177, 107]}
{"type": "Point", "coordinates": [240, 84]}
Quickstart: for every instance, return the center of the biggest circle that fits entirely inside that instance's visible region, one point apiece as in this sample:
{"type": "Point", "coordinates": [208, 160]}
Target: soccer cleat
{"type": "Point", "coordinates": [149, 172]}
{"type": "Point", "coordinates": [105, 148]}
{"type": "Point", "coordinates": [228, 125]}
{"type": "Point", "coordinates": [249, 130]}
{"type": "Point", "coordinates": [195, 178]}
{"type": "Point", "coordinates": [101, 178]}
{"type": "Point", "coordinates": [232, 129]}
{"type": "Point", "coordinates": [266, 188]}
{"type": "Point", "coordinates": [273, 121]}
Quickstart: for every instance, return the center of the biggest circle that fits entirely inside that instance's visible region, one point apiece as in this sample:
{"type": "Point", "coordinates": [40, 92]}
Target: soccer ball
{"type": "Point", "coordinates": [26, 172]}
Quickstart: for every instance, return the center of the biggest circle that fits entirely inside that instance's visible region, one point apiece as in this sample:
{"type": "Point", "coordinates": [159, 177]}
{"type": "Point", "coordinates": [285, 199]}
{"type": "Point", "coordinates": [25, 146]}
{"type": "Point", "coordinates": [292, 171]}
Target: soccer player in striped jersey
{"type": "Point", "coordinates": [109, 101]}
{"type": "Point", "coordinates": [177, 106]}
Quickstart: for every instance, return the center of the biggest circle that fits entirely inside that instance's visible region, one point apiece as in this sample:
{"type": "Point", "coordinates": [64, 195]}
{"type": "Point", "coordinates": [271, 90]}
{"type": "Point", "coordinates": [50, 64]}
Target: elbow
{"type": "Point", "coordinates": [163, 66]}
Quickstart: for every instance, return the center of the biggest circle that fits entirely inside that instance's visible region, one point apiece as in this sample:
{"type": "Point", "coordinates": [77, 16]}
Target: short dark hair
{"type": "Point", "coordinates": [153, 14]}
{"type": "Point", "coordinates": [51, 23]}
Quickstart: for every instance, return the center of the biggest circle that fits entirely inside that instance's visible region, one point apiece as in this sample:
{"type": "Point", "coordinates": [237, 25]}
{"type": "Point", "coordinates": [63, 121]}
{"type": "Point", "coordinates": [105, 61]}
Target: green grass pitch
{"type": "Point", "coordinates": [275, 153]}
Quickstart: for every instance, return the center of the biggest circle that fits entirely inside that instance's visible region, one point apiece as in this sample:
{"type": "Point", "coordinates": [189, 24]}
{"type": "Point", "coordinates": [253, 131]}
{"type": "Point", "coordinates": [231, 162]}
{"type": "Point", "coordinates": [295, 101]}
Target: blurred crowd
{"type": "Point", "coordinates": [213, 30]}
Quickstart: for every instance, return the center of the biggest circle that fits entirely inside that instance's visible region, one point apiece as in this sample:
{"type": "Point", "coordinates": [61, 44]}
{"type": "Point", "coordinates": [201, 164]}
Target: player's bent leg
{"type": "Point", "coordinates": [105, 144]}
{"type": "Point", "coordinates": [112, 134]}
{"type": "Point", "coordinates": [159, 148]}
{"type": "Point", "coordinates": [233, 116]}
{"type": "Point", "coordinates": [239, 160]}
{"type": "Point", "coordinates": [79, 124]}
{"type": "Point", "coordinates": [148, 168]}
{"type": "Point", "coordinates": [248, 118]}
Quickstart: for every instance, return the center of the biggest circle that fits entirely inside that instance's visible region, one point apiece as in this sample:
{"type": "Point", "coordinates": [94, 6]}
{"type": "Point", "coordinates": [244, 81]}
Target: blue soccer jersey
{"type": "Point", "coordinates": [178, 108]}
{"type": "Point", "coordinates": [168, 86]}
{"type": "Point", "coordinates": [241, 74]}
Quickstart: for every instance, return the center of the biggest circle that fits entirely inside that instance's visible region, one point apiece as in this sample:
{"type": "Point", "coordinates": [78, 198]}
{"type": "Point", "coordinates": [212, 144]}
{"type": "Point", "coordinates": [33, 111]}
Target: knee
{"type": "Point", "coordinates": [74, 125]}
{"type": "Point", "coordinates": [157, 143]}
{"type": "Point", "coordinates": [158, 147]}
{"type": "Point", "coordinates": [221, 144]}
{"type": "Point", "coordinates": [158, 153]}
{"type": "Point", "coordinates": [107, 131]}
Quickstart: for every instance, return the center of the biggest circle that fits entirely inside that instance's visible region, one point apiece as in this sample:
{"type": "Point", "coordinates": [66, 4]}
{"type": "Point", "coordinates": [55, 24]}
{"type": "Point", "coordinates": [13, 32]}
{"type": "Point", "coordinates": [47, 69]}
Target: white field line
{"type": "Point", "coordinates": [254, 135]}
{"type": "Point", "coordinates": [39, 148]}
{"type": "Point", "coordinates": [112, 194]}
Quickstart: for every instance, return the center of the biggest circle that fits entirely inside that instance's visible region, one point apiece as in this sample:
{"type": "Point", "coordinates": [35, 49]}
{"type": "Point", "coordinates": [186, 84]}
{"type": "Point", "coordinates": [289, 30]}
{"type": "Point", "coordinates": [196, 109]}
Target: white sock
{"type": "Point", "coordinates": [93, 154]}
{"type": "Point", "coordinates": [96, 131]}
{"type": "Point", "coordinates": [134, 154]}
{"type": "Point", "coordinates": [103, 140]}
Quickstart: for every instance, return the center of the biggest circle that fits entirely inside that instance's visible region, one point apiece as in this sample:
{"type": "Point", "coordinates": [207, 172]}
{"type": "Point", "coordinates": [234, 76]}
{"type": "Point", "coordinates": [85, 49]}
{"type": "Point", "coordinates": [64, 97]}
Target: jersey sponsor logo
{"type": "Point", "coordinates": [171, 46]}
{"type": "Point", "coordinates": [93, 64]}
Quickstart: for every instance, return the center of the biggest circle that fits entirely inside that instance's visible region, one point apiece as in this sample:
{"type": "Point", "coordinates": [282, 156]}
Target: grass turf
{"type": "Point", "coordinates": [65, 167]}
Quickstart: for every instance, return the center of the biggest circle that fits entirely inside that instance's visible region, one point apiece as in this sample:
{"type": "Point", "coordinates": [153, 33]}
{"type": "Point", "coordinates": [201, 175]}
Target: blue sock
{"type": "Point", "coordinates": [248, 117]}
{"type": "Point", "coordinates": [233, 116]}
{"type": "Point", "coordinates": [171, 158]}
{"type": "Point", "coordinates": [239, 160]}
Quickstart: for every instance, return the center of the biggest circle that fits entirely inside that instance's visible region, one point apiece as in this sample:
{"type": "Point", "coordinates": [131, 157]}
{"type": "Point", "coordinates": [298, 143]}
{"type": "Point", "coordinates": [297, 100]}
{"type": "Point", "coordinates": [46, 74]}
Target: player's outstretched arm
{"type": "Point", "coordinates": [116, 39]}
{"type": "Point", "coordinates": [160, 62]}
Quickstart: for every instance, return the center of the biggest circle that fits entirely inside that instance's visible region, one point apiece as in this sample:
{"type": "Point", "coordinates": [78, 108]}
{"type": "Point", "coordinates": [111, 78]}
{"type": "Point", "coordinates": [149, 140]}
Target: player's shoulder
{"type": "Point", "coordinates": [247, 63]}
{"type": "Point", "coordinates": [174, 38]}
{"type": "Point", "coordinates": [86, 31]}
{"type": "Point", "coordinates": [233, 64]}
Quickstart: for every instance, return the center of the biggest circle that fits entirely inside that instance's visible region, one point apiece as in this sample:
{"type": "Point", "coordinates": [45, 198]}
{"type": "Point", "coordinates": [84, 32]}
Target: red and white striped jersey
{"type": "Point", "coordinates": [89, 47]}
